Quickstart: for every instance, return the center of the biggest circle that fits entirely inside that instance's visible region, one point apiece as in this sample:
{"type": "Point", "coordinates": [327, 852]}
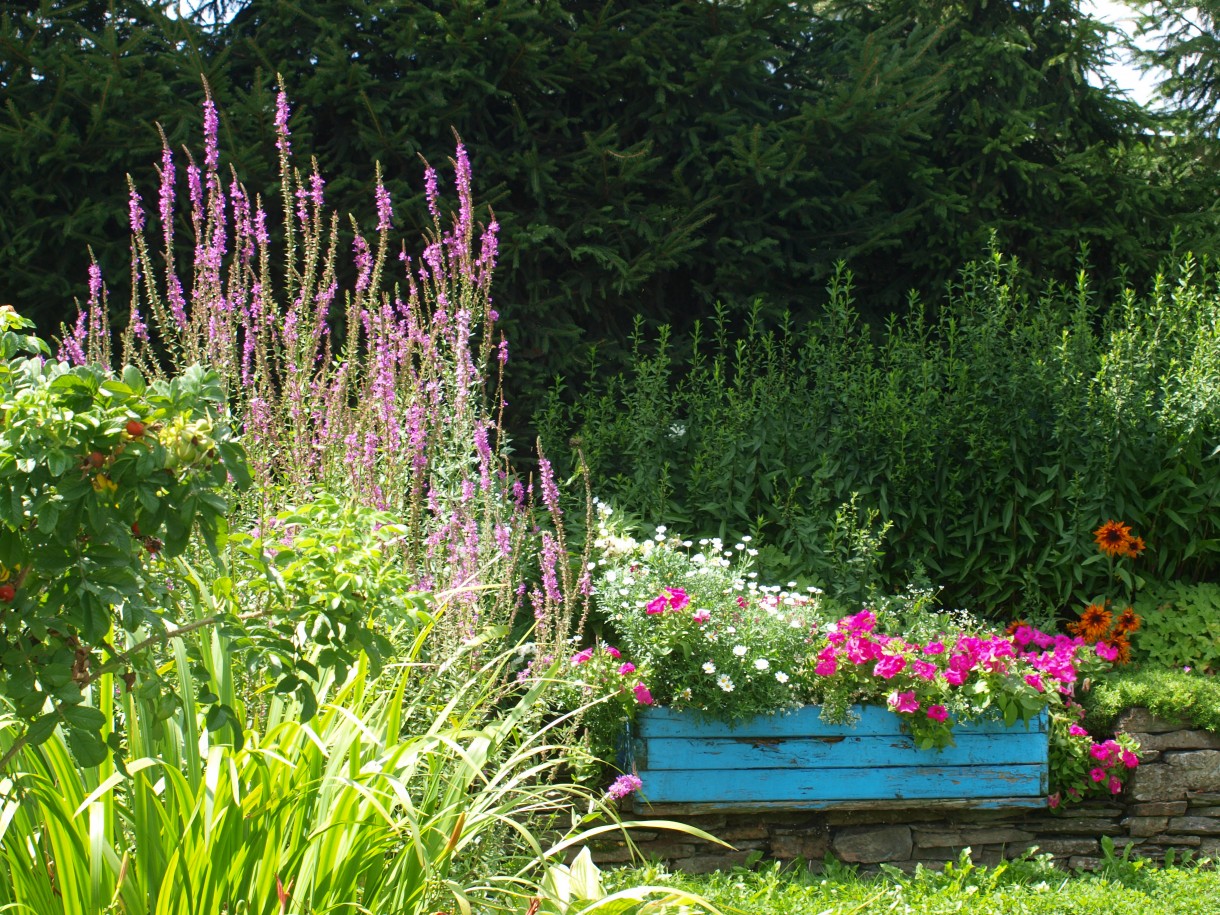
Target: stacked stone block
{"type": "Point", "coordinates": [1171, 805]}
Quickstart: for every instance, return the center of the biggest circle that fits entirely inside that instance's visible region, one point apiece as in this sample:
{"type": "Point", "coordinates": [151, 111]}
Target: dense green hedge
{"type": "Point", "coordinates": [994, 439]}
{"type": "Point", "coordinates": [642, 158]}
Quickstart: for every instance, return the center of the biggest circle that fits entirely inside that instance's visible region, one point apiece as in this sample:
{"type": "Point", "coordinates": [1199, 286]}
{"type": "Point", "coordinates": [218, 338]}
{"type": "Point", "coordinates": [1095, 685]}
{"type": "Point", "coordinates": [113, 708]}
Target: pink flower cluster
{"type": "Point", "coordinates": [641, 692]}
{"type": "Point", "coordinates": [1111, 759]}
{"type": "Point", "coordinates": [854, 641]}
{"type": "Point", "coordinates": [669, 599]}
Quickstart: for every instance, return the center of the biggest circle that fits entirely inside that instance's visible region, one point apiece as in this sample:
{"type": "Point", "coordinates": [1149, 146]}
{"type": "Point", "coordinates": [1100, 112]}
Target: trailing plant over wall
{"type": "Point", "coordinates": [991, 438]}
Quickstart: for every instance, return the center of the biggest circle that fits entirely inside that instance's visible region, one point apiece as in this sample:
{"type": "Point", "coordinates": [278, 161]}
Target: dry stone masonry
{"type": "Point", "coordinates": [1171, 804]}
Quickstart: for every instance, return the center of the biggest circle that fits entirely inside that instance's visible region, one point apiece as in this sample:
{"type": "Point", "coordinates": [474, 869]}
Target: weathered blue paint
{"type": "Point", "coordinates": [799, 760]}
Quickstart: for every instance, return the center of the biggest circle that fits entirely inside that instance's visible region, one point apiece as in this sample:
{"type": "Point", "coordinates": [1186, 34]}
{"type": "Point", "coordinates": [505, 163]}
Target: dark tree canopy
{"type": "Point", "coordinates": [642, 158]}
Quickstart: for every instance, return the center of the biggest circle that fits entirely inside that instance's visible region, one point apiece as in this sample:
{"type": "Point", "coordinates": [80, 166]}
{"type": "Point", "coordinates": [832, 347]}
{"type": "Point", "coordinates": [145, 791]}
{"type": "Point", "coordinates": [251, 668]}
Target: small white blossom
{"type": "Point", "coordinates": [725, 683]}
{"type": "Point", "coordinates": [781, 676]}
{"type": "Point", "coordinates": [761, 664]}
{"type": "Point", "coordinates": [739, 650]}
{"type": "Point", "coordinates": [709, 668]}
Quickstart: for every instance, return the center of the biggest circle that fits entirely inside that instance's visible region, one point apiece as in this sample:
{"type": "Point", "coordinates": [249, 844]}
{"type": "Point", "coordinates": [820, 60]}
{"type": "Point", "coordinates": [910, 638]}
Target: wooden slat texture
{"type": "Point", "coordinates": [796, 760]}
{"type": "Point", "coordinates": [811, 785]}
{"type": "Point", "coordinates": [859, 752]}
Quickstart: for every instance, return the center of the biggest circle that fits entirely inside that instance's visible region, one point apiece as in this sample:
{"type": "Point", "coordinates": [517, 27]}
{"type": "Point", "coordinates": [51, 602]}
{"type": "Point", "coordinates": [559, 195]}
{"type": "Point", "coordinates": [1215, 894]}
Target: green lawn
{"type": "Point", "coordinates": [1026, 887]}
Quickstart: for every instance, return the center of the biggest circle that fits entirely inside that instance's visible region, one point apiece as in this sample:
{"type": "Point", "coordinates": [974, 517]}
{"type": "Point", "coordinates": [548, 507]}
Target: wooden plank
{"type": "Point", "coordinates": [642, 807]}
{"type": "Point", "coordinates": [850, 784]}
{"type": "Point", "coordinates": [843, 752]}
{"type": "Point", "coordinates": [802, 722]}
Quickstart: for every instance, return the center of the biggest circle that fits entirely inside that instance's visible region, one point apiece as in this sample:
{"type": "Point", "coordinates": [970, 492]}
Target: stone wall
{"type": "Point", "coordinates": [1172, 802]}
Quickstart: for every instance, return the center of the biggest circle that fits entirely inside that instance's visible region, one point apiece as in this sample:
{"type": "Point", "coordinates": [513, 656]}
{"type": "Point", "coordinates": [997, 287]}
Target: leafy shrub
{"type": "Point", "coordinates": [1181, 626]}
{"type": "Point", "coordinates": [991, 437]}
{"type": "Point", "coordinates": [102, 477]}
{"type": "Point", "coordinates": [1172, 694]}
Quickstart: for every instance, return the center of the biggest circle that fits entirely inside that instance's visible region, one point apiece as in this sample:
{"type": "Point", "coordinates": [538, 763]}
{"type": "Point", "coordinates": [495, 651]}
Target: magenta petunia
{"type": "Point", "coordinates": [642, 695]}
{"type": "Point", "coordinates": [938, 712]}
{"type": "Point", "coordinates": [677, 598]}
{"type": "Point", "coordinates": [582, 657]}
{"type": "Point", "coordinates": [903, 702]}
{"type": "Point", "coordinates": [657, 605]}
{"type": "Point", "coordinates": [626, 668]}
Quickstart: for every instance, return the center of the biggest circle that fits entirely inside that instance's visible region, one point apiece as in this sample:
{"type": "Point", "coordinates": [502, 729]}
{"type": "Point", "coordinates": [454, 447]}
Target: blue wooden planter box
{"type": "Point", "coordinates": [795, 760]}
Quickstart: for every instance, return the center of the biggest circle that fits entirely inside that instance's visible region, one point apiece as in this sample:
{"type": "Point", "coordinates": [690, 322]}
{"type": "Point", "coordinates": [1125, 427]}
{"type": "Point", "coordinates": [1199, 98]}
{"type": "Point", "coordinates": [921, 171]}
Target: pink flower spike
{"type": "Point", "coordinates": [642, 695]}
{"type": "Point", "coordinates": [937, 712]}
{"type": "Point", "coordinates": [623, 786]}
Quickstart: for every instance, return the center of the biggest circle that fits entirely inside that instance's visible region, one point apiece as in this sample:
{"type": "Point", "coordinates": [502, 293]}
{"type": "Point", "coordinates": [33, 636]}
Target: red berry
{"type": "Point", "coordinates": [135, 428]}
{"type": "Point", "coordinates": [96, 459]}
{"type": "Point", "coordinates": [135, 528]}
{"type": "Point", "coordinates": [7, 594]}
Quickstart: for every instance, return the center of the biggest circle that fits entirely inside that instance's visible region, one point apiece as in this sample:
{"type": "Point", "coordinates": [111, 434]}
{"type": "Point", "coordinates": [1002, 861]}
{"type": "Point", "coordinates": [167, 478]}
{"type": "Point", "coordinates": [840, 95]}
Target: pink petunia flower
{"type": "Point", "coordinates": [1115, 785]}
{"type": "Point", "coordinates": [1035, 681]}
{"type": "Point", "coordinates": [934, 648]}
{"type": "Point", "coordinates": [627, 668]}
{"type": "Point", "coordinates": [1077, 731]}
{"type": "Point", "coordinates": [903, 702]}
{"type": "Point", "coordinates": [1106, 652]}
{"type": "Point", "coordinates": [826, 667]}
{"type": "Point", "coordinates": [582, 657]}
{"type": "Point", "coordinates": [1098, 774]}
{"type": "Point", "coordinates": [925, 670]}
{"type": "Point", "coordinates": [613, 652]}
{"type": "Point", "coordinates": [656, 605]}
{"type": "Point", "coordinates": [890, 666]}
{"type": "Point", "coordinates": [677, 598]}
{"type": "Point", "coordinates": [642, 695]}
{"type": "Point", "coordinates": [937, 712]}
{"type": "Point", "coordinates": [701, 616]}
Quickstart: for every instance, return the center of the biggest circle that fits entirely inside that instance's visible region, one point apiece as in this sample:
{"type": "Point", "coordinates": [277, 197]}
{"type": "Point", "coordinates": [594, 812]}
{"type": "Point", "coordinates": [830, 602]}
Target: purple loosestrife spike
{"type": "Point", "coordinates": [211, 130]}
{"type": "Point", "coordinates": [71, 347]}
{"type": "Point", "coordinates": [364, 263]}
{"type": "Point", "coordinates": [385, 209]}
{"type": "Point", "coordinates": [316, 186]}
{"type": "Point", "coordinates": [550, 490]}
{"type": "Point", "coordinates": [281, 122]}
{"type": "Point", "coordinates": [431, 192]}
{"type": "Point", "coordinates": [464, 227]}
{"type": "Point", "coordinates": [166, 196]}
{"type": "Point", "coordinates": [135, 211]}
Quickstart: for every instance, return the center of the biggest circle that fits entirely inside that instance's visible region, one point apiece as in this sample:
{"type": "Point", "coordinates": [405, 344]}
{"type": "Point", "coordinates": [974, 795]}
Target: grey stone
{"type": "Point", "coordinates": [810, 847]}
{"type": "Point", "coordinates": [1198, 826]}
{"type": "Point", "coordinates": [1204, 811]}
{"type": "Point", "coordinates": [1180, 740]}
{"type": "Point", "coordinates": [872, 844]}
{"type": "Point", "coordinates": [1158, 808]}
{"type": "Point", "coordinates": [1062, 848]}
{"type": "Point", "coordinates": [1190, 841]}
{"type": "Point", "coordinates": [1084, 863]}
{"type": "Point", "coordinates": [733, 832]}
{"type": "Point", "coordinates": [1096, 826]}
{"type": "Point", "coordinates": [706, 864]}
{"type": "Point", "coordinates": [1141, 721]}
{"type": "Point", "coordinates": [1175, 775]}
{"type": "Point", "coordinates": [960, 838]}
{"type": "Point", "coordinates": [1145, 826]}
